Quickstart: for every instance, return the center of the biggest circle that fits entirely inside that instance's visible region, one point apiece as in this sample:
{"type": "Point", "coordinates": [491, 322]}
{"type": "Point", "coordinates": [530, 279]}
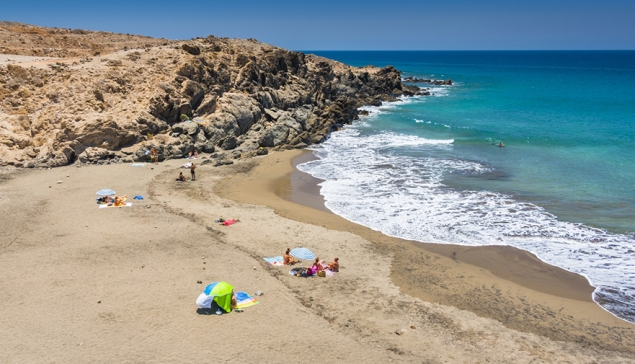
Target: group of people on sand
{"type": "Point", "coordinates": [192, 155]}
{"type": "Point", "coordinates": [112, 201]}
{"type": "Point", "coordinates": [315, 269]}
{"type": "Point", "coordinates": [181, 177]}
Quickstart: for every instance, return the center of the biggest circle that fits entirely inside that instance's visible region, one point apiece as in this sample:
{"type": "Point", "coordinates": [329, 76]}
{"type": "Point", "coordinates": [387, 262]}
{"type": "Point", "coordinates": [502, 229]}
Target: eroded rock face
{"type": "Point", "coordinates": [241, 96]}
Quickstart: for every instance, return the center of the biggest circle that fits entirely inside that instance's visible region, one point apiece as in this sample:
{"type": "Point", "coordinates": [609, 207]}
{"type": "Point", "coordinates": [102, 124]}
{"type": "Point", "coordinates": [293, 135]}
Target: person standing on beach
{"type": "Point", "coordinates": [155, 156]}
{"type": "Point", "coordinates": [192, 168]}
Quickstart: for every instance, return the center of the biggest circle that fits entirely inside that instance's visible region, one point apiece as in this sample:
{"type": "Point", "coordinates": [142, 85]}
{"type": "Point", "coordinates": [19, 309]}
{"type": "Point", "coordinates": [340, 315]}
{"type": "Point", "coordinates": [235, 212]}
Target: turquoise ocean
{"type": "Point", "coordinates": [563, 187]}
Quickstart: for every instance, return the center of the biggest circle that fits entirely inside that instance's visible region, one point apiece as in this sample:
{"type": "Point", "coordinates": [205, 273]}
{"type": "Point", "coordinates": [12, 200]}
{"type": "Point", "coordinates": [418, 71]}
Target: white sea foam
{"type": "Point", "coordinates": [374, 111]}
{"type": "Point", "coordinates": [367, 182]}
{"type": "Point", "coordinates": [440, 91]}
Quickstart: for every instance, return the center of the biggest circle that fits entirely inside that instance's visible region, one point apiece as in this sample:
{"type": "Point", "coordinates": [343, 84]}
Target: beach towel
{"type": "Point", "coordinates": [229, 222]}
{"type": "Point", "coordinates": [275, 261]}
{"type": "Point", "coordinates": [138, 165]}
{"type": "Point", "coordinates": [329, 273]}
{"type": "Point", "coordinates": [295, 271]}
{"type": "Point", "coordinates": [128, 204]}
{"type": "Point", "coordinates": [244, 300]}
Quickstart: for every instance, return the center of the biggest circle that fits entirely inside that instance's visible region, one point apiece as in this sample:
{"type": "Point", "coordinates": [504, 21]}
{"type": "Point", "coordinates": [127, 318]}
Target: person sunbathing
{"type": "Point", "coordinates": [287, 259]}
{"type": "Point", "coordinates": [181, 177]}
{"type": "Point", "coordinates": [120, 201]}
{"type": "Point", "coordinates": [233, 301]}
{"type": "Point", "coordinates": [316, 267]}
{"type": "Point", "coordinates": [334, 266]}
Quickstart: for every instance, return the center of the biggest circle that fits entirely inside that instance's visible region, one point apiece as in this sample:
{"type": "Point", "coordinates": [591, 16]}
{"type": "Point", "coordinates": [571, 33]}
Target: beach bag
{"type": "Point", "coordinates": [321, 274]}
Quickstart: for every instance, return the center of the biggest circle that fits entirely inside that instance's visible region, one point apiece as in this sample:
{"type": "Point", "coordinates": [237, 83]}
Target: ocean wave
{"type": "Point", "coordinates": [402, 194]}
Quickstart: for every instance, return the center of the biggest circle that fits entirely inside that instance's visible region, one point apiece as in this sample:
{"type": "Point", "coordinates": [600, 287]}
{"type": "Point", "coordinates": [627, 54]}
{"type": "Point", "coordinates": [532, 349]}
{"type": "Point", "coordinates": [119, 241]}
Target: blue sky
{"type": "Point", "coordinates": [355, 25]}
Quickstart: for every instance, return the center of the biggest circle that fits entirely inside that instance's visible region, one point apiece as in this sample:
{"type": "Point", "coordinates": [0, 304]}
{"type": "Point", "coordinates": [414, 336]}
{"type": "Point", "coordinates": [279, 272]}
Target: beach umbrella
{"type": "Point", "coordinates": [302, 253]}
{"type": "Point", "coordinates": [221, 292]}
{"type": "Point", "coordinates": [106, 192]}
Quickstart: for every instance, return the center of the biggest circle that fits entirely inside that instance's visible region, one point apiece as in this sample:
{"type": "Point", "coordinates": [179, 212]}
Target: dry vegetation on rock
{"type": "Point", "coordinates": [112, 96]}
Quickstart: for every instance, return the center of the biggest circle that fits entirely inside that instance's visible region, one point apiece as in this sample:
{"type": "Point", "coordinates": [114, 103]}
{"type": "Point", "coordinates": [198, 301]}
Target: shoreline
{"type": "Point", "coordinates": [499, 282]}
{"type": "Point", "coordinates": [146, 264]}
{"type": "Point", "coordinates": [501, 261]}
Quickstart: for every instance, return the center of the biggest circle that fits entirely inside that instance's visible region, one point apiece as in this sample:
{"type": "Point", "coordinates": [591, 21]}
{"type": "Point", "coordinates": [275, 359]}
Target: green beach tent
{"type": "Point", "coordinates": [219, 292]}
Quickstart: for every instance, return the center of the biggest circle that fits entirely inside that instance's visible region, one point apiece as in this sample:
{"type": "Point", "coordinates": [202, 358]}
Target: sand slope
{"type": "Point", "coordinates": [60, 256]}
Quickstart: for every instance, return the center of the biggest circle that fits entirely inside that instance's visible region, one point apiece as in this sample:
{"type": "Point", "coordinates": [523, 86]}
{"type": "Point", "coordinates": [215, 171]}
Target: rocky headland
{"type": "Point", "coordinates": [74, 96]}
{"type": "Point", "coordinates": [412, 79]}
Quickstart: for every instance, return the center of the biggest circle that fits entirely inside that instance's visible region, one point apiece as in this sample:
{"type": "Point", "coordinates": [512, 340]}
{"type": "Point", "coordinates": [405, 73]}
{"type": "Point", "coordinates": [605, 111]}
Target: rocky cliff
{"type": "Point", "coordinates": [243, 96]}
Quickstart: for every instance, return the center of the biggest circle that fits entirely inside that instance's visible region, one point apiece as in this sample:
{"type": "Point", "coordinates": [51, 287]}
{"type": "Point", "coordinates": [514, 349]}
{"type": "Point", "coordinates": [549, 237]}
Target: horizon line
{"type": "Point", "coordinates": [464, 50]}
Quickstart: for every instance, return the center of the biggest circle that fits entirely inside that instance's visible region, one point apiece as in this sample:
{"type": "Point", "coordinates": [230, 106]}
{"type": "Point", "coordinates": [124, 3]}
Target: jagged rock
{"type": "Point", "coordinates": [93, 155]}
{"type": "Point", "coordinates": [151, 124]}
{"type": "Point", "coordinates": [207, 105]}
{"type": "Point", "coordinates": [188, 127]}
{"type": "Point", "coordinates": [274, 136]}
{"type": "Point", "coordinates": [249, 96]}
{"type": "Point", "coordinates": [191, 49]}
{"type": "Point", "coordinates": [272, 115]}
{"type": "Point", "coordinates": [194, 91]}
{"type": "Point", "coordinates": [229, 143]}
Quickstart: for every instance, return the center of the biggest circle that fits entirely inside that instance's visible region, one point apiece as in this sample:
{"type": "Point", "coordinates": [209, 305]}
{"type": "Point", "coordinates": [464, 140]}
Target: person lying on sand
{"type": "Point", "coordinates": [181, 177]}
{"type": "Point", "coordinates": [287, 259]}
{"type": "Point", "coordinates": [334, 266]}
{"type": "Point", "coordinates": [120, 201]}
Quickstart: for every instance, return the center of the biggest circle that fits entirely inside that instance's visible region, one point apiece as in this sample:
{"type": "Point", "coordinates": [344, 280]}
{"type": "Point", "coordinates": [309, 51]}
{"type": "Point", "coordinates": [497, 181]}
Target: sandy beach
{"type": "Point", "coordinates": [82, 284]}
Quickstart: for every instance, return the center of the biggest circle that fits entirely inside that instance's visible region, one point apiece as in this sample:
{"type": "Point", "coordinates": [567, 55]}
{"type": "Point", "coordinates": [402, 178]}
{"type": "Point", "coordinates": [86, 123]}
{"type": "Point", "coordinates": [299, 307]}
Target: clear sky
{"type": "Point", "coordinates": [354, 24]}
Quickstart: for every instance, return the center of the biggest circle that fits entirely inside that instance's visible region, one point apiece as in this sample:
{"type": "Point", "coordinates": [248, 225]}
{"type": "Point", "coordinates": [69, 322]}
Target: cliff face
{"type": "Point", "coordinates": [246, 97]}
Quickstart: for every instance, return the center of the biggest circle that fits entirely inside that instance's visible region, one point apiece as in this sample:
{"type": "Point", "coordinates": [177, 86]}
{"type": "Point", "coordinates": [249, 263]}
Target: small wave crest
{"type": "Point", "coordinates": [401, 195]}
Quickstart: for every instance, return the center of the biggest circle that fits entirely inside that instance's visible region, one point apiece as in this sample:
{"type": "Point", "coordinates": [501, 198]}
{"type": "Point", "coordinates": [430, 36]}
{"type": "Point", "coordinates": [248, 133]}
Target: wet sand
{"type": "Point", "coordinates": [503, 283]}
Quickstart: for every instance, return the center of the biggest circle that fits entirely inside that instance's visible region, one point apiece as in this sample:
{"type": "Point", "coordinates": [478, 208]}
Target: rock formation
{"type": "Point", "coordinates": [447, 82]}
{"type": "Point", "coordinates": [242, 97]}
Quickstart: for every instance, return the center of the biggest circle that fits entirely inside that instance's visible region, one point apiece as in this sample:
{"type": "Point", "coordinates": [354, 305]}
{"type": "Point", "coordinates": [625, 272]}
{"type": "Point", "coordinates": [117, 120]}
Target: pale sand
{"type": "Point", "coordinates": [60, 255]}
{"type": "Point", "coordinates": [6, 59]}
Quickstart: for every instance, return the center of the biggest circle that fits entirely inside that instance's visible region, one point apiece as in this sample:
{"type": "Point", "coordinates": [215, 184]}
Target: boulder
{"type": "Point", "coordinates": [207, 105]}
{"type": "Point", "coordinates": [191, 49]}
{"type": "Point", "coordinates": [229, 143]}
{"type": "Point", "coordinates": [243, 108]}
{"type": "Point", "coordinates": [274, 136]}
{"type": "Point", "coordinates": [92, 155]}
{"type": "Point", "coordinates": [195, 91]}
{"type": "Point", "coordinates": [187, 128]}
{"type": "Point", "coordinates": [149, 124]}
{"type": "Point", "coordinates": [272, 114]}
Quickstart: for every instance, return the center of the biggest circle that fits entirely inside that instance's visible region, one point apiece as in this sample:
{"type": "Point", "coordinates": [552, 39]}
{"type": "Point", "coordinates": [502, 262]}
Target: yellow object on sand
{"type": "Point", "coordinates": [120, 201]}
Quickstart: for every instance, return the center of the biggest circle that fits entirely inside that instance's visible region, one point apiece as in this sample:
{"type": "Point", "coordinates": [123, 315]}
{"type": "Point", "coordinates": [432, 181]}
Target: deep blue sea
{"type": "Point", "coordinates": [562, 187]}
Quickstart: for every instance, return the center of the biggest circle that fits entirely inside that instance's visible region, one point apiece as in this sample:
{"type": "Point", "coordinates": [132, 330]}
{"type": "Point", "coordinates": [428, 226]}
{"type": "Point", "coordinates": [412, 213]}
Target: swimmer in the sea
{"type": "Point", "coordinates": [501, 144]}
